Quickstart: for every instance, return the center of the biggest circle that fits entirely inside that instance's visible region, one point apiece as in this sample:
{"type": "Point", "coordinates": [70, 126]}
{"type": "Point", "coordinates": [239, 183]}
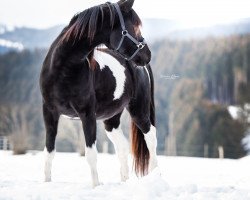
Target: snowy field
{"type": "Point", "coordinates": [21, 177]}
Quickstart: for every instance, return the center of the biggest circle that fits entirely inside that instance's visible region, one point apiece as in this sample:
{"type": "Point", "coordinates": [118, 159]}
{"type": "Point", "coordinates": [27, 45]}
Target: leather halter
{"type": "Point", "coordinates": [140, 45]}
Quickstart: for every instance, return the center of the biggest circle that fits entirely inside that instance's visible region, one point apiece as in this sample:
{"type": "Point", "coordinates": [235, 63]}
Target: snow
{"type": "Point", "coordinates": [234, 111]}
{"type": "Point", "coordinates": [246, 142]}
{"type": "Point", "coordinates": [6, 28]}
{"type": "Point", "coordinates": [10, 44]}
{"type": "Point", "coordinates": [21, 177]}
{"type": "Point", "coordinates": [2, 30]}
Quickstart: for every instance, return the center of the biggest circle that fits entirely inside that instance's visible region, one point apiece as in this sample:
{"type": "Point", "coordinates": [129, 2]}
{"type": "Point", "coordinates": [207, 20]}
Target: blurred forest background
{"type": "Point", "coordinates": [202, 90]}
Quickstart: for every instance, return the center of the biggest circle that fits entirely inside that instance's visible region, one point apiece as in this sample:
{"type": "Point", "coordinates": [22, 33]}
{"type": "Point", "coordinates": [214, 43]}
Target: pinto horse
{"type": "Point", "coordinates": [79, 81]}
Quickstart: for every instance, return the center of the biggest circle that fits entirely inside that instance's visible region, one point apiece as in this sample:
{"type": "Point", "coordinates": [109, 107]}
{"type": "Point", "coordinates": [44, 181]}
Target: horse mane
{"type": "Point", "coordinates": [87, 22]}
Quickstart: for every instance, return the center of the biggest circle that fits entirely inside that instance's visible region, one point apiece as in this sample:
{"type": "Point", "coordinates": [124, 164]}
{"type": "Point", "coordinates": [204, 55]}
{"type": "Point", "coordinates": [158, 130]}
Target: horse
{"type": "Point", "coordinates": [78, 80]}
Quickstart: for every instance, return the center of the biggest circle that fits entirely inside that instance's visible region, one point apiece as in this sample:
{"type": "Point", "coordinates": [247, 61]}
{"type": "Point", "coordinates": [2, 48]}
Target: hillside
{"type": "Point", "coordinates": [237, 28]}
{"type": "Point", "coordinates": [29, 38]}
{"type": "Point", "coordinates": [18, 38]}
{"type": "Point", "coordinates": [195, 82]}
{"type": "Point", "coordinates": [212, 73]}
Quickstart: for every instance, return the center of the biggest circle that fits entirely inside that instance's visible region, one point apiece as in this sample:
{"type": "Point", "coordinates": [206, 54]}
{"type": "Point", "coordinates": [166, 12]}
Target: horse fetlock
{"type": "Point", "coordinates": [153, 163]}
{"type": "Point", "coordinates": [47, 179]}
{"type": "Point", "coordinates": [95, 179]}
{"type": "Point", "coordinates": [124, 172]}
{"type": "Point", "coordinates": [49, 156]}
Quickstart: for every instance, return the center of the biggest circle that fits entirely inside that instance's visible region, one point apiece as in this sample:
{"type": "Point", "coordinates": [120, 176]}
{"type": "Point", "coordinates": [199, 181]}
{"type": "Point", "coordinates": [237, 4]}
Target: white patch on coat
{"type": "Point", "coordinates": [118, 71]}
{"type": "Point", "coordinates": [122, 150]}
{"type": "Point", "coordinates": [151, 142]}
{"type": "Point", "coordinates": [91, 157]}
{"type": "Point", "coordinates": [48, 164]}
{"type": "Point", "coordinates": [71, 118]}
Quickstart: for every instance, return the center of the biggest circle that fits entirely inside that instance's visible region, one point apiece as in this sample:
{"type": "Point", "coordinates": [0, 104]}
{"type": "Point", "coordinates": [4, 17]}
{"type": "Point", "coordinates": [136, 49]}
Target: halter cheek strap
{"type": "Point", "coordinates": [140, 45]}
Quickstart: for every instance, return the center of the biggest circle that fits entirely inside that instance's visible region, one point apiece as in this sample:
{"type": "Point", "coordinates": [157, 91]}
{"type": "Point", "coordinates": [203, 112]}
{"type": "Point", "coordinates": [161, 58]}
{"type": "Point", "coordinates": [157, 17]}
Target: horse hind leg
{"type": "Point", "coordinates": [144, 129]}
{"type": "Point", "coordinates": [151, 141]}
{"type": "Point", "coordinates": [115, 134]}
{"type": "Point", "coordinates": [51, 123]}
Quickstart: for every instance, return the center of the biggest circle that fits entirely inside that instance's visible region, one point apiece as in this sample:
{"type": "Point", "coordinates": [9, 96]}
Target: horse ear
{"type": "Point", "coordinates": [126, 5]}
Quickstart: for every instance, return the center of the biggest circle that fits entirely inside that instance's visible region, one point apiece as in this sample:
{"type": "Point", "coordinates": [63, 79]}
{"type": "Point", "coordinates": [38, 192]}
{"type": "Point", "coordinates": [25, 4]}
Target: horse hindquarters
{"type": "Point", "coordinates": [142, 111]}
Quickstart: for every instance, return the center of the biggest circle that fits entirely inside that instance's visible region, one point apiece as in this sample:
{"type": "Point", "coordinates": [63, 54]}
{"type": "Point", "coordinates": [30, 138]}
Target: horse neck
{"type": "Point", "coordinates": [73, 52]}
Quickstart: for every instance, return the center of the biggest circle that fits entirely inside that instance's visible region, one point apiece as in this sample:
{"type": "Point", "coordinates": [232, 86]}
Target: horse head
{"type": "Point", "coordinates": [114, 24]}
{"type": "Point", "coordinates": [126, 38]}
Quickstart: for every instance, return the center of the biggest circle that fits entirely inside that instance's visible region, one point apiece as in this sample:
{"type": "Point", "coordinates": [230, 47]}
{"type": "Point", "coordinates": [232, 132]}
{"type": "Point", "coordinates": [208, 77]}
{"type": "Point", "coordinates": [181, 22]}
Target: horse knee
{"type": "Point", "coordinates": [51, 122]}
{"type": "Point", "coordinates": [89, 129]}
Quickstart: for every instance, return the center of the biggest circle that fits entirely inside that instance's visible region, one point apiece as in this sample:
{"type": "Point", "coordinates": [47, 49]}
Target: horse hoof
{"type": "Point", "coordinates": [96, 184]}
{"type": "Point", "coordinates": [48, 179]}
{"type": "Point", "coordinates": [124, 178]}
{"type": "Point", "coordinates": [152, 165]}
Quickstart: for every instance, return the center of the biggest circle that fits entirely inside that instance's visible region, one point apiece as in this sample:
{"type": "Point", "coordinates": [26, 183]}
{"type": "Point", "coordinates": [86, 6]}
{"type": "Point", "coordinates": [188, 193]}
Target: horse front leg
{"type": "Point", "coordinates": [88, 119]}
{"type": "Point", "coordinates": [89, 126]}
{"type": "Point", "coordinates": [51, 122]}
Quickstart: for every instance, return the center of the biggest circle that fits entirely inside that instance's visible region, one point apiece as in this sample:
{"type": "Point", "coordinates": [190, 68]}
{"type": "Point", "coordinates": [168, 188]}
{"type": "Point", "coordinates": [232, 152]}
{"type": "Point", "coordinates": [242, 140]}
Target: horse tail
{"type": "Point", "coordinates": [152, 102]}
{"type": "Point", "coordinates": [139, 151]}
{"type": "Point", "coordinates": [139, 146]}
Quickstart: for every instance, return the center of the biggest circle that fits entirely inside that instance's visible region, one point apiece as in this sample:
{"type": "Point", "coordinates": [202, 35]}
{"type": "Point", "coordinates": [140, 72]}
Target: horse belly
{"type": "Point", "coordinates": [105, 110]}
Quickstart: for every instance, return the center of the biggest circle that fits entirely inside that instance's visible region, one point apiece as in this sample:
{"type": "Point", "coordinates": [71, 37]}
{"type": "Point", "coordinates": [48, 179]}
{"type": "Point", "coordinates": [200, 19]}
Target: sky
{"type": "Point", "coordinates": [193, 13]}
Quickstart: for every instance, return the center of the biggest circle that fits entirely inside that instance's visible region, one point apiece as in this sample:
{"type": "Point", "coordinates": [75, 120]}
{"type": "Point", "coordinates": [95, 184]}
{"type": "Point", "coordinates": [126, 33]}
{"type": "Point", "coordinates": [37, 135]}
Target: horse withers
{"type": "Point", "coordinates": [78, 81]}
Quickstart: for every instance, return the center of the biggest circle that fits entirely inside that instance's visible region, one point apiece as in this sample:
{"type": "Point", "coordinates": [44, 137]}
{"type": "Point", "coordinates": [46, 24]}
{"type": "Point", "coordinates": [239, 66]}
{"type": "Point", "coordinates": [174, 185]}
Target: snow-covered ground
{"type": "Point", "coordinates": [21, 177]}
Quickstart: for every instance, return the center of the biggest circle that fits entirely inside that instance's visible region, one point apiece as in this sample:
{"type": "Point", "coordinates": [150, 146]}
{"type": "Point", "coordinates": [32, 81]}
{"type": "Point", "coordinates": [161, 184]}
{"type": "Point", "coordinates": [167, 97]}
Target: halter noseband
{"type": "Point", "coordinates": [140, 45]}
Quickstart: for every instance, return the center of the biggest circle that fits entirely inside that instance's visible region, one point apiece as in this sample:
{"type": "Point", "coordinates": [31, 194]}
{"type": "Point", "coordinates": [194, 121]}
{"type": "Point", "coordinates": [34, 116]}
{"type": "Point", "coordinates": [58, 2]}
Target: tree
{"type": "Point", "coordinates": [220, 129]}
{"type": "Point", "coordinates": [16, 124]}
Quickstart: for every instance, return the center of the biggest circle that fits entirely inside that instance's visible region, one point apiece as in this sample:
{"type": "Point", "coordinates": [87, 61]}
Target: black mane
{"type": "Point", "coordinates": [87, 21]}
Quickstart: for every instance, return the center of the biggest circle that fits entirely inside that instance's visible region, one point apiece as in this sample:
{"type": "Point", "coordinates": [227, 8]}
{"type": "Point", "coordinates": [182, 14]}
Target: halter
{"type": "Point", "coordinates": [140, 45]}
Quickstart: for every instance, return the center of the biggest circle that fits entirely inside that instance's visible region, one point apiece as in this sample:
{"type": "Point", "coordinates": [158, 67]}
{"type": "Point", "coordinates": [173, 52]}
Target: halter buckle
{"type": "Point", "coordinates": [124, 32]}
{"type": "Point", "coordinates": [140, 45]}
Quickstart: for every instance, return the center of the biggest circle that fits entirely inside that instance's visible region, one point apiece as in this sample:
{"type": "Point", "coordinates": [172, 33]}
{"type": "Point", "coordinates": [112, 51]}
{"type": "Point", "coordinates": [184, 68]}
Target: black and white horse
{"type": "Point", "coordinates": [79, 81]}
